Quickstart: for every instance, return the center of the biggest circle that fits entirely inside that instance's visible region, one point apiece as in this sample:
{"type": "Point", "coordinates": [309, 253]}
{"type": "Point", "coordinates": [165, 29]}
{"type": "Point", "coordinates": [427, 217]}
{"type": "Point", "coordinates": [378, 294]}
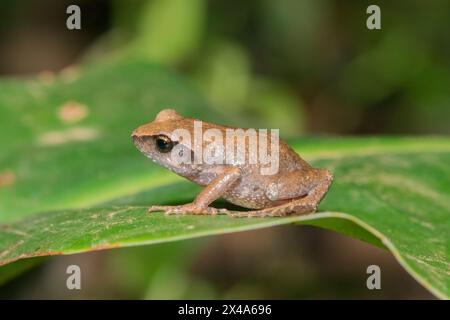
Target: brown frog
{"type": "Point", "coordinates": [295, 188]}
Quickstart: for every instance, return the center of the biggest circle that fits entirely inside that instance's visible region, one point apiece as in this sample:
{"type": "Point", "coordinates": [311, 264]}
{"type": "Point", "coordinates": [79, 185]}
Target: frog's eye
{"type": "Point", "coordinates": [163, 143]}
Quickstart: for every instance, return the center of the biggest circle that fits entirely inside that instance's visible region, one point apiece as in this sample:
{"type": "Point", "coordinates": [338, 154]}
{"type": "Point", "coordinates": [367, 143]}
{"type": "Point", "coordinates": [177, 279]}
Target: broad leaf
{"type": "Point", "coordinates": [71, 180]}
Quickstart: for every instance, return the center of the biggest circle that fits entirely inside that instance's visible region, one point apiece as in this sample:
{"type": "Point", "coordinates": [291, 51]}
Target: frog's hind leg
{"type": "Point", "coordinates": [295, 206]}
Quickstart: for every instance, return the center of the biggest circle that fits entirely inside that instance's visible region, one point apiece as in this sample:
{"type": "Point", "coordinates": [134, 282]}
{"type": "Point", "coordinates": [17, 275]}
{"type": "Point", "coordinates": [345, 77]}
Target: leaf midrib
{"type": "Point", "coordinates": [429, 144]}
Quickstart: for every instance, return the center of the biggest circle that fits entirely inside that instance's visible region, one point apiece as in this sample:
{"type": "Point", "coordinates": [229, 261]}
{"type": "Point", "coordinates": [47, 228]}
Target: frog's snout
{"type": "Point", "coordinates": [141, 142]}
{"type": "Point", "coordinates": [136, 133]}
{"type": "Point", "coordinates": [139, 135]}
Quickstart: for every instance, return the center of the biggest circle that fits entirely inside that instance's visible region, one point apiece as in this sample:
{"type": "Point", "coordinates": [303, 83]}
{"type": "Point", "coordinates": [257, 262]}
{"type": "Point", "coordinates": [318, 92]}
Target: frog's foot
{"type": "Point", "coordinates": [160, 208]}
{"type": "Point", "coordinates": [189, 208]}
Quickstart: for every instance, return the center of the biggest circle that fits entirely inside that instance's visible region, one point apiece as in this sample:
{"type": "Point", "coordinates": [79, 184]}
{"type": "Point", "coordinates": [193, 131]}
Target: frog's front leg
{"type": "Point", "coordinates": [211, 192]}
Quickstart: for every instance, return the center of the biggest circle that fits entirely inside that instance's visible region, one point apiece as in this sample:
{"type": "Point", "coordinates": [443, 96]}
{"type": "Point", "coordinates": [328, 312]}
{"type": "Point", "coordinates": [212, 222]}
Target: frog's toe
{"type": "Point", "coordinates": [181, 209]}
{"type": "Point", "coordinates": [187, 209]}
{"type": "Point", "coordinates": [153, 209]}
{"type": "Point", "coordinates": [175, 210]}
{"type": "Point", "coordinates": [160, 208]}
{"type": "Point", "coordinates": [221, 211]}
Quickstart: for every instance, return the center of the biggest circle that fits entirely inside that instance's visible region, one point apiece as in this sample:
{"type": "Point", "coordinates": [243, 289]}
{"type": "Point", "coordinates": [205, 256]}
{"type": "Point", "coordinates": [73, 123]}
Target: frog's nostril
{"type": "Point", "coordinates": [137, 140]}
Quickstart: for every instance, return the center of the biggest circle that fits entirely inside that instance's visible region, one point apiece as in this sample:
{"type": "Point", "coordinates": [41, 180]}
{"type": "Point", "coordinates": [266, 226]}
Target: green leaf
{"type": "Point", "coordinates": [71, 180]}
{"type": "Point", "coordinates": [169, 31]}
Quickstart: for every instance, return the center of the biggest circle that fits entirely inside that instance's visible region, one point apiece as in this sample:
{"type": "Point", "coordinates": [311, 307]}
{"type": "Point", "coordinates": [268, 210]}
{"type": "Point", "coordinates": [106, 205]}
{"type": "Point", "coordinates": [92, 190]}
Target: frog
{"type": "Point", "coordinates": [295, 188]}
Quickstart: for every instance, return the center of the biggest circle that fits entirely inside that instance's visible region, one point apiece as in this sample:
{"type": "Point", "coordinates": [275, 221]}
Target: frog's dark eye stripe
{"type": "Point", "coordinates": [163, 143]}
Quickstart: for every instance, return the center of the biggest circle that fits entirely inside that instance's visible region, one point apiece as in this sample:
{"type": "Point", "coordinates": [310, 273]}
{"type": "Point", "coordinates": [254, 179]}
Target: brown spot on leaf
{"type": "Point", "coordinates": [29, 255]}
{"type": "Point", "coordinates": [7, 178]}
{"type": "Point", "coordinates": [72, 111]}
{"type": "Point", "coordinates": [104, 246]}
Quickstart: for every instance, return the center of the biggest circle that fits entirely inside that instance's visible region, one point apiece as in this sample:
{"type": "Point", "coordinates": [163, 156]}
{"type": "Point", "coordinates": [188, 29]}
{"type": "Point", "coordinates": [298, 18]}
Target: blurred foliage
{"type": "Point", "coordinates": [332, 73]}
{"type": "Point", "coordinates": [317, 56]}
{"type": "Point", "coordinates": [177, 33]}
{"type": "Point", "coordinates": [169, 31]}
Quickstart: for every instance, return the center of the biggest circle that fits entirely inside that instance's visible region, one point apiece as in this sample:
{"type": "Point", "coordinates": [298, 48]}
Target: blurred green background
{"type": "Point", "coordinates": [311, 65]}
